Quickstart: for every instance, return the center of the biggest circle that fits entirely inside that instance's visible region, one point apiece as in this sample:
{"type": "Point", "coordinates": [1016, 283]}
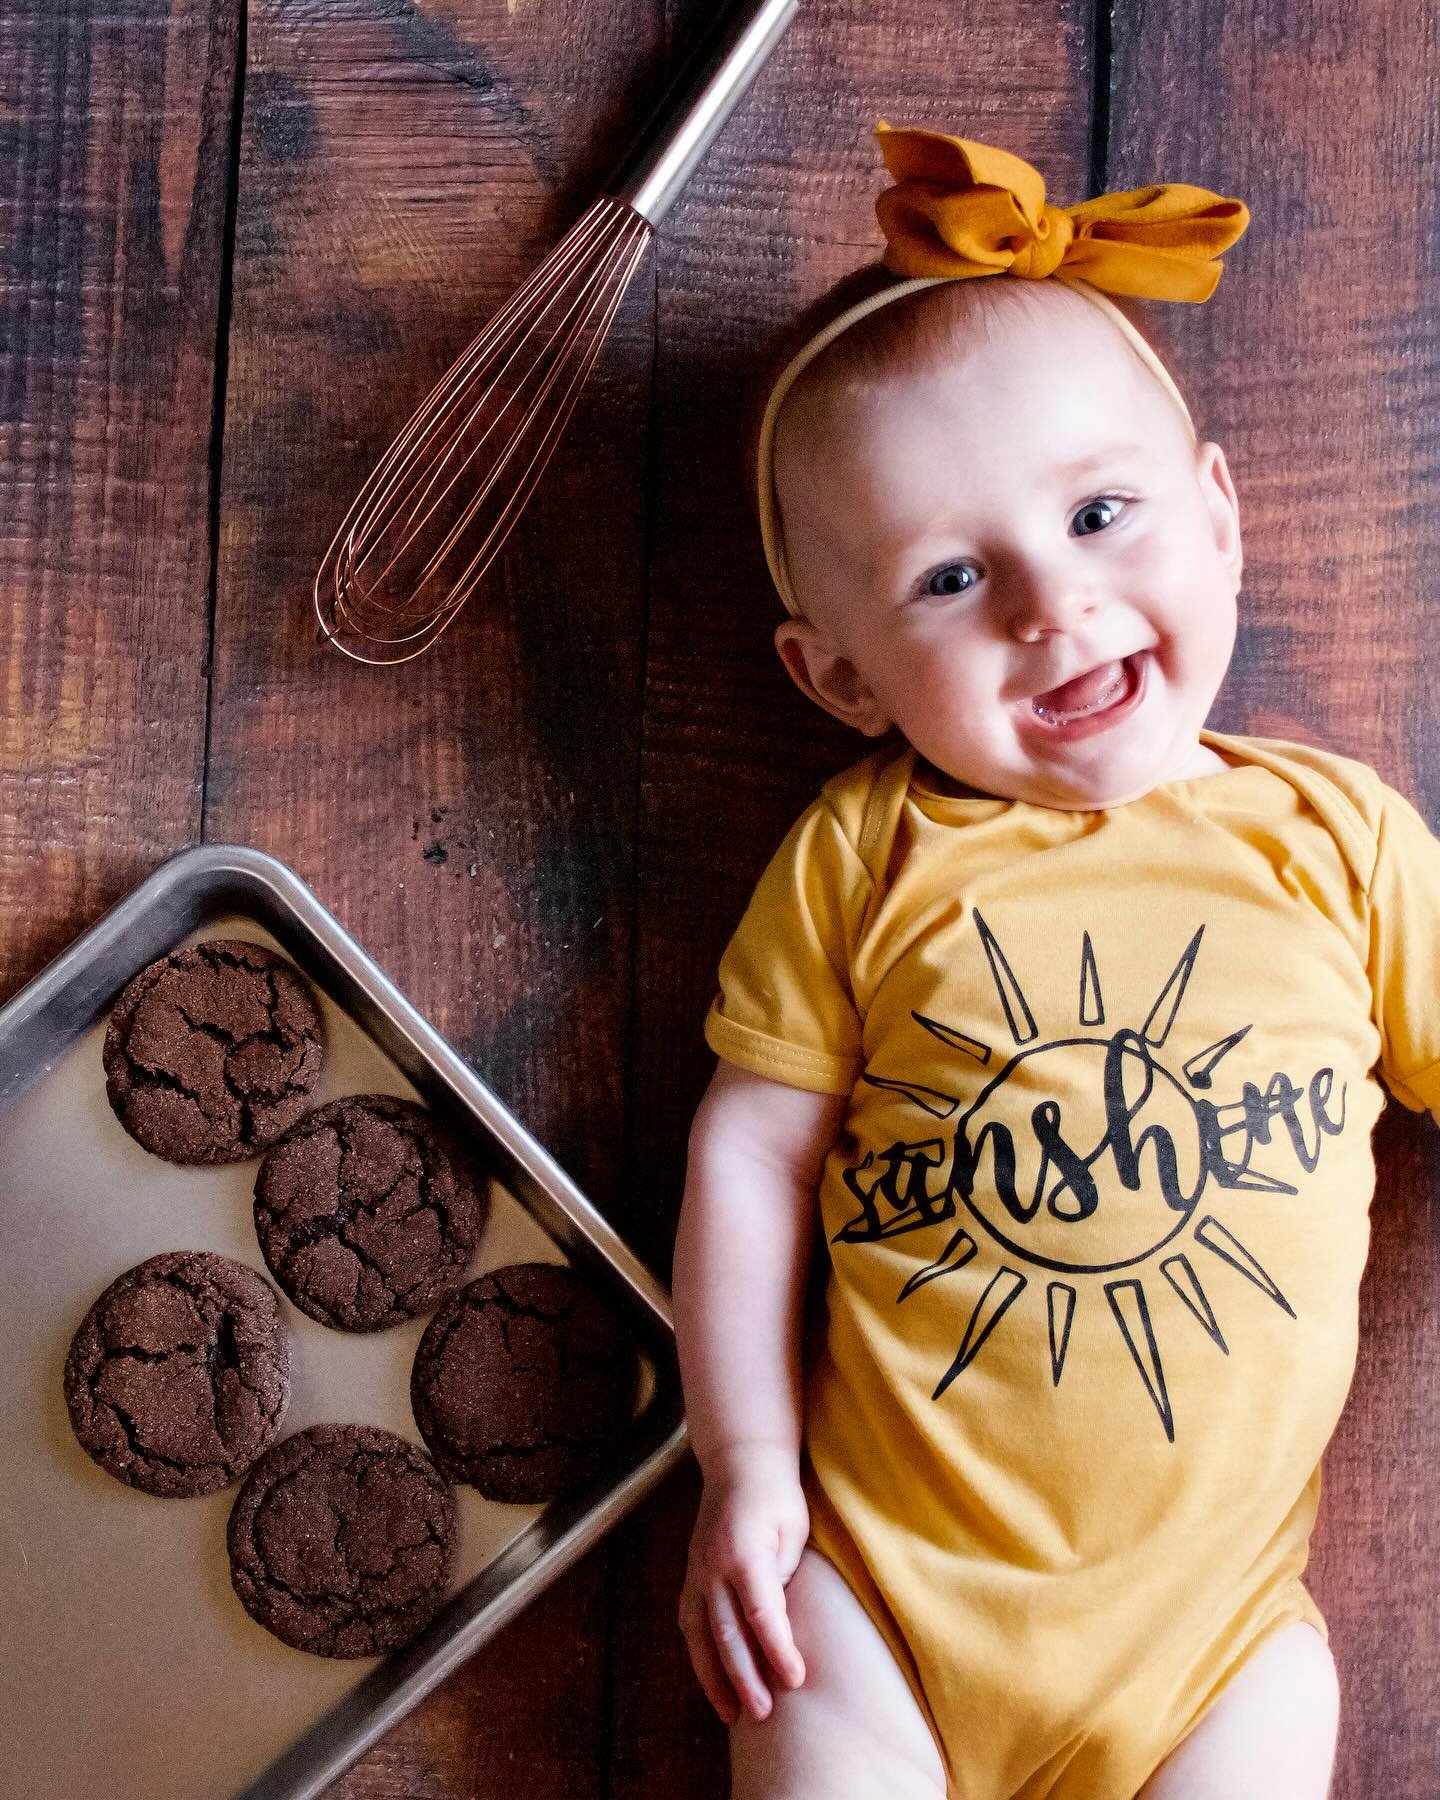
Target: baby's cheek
{"type": "Point", "coordinates": [940, 684]}
{"type": "Point", "coordinates": [962, 715]}
{"type": "Point", "coordinates": [1206, 640]}
{"type": "Point", "coordinates": [1212, 600]}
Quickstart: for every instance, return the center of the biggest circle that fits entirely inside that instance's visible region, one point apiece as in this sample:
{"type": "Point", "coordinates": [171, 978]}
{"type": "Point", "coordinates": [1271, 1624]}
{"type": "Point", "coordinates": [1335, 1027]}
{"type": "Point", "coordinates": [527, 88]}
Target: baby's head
{"type": "Point", "coordinates": [984, 492]}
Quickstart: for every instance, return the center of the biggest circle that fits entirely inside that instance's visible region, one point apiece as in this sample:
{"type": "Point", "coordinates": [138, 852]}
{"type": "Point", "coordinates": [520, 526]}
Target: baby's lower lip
{"type": "Point", "coordinates": [1085, 725]}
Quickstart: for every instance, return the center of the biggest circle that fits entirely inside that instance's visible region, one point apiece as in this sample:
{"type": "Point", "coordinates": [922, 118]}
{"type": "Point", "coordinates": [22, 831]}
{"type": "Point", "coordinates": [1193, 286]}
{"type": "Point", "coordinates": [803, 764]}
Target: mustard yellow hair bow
{"type": "Point", "coordinates": [961, 209]}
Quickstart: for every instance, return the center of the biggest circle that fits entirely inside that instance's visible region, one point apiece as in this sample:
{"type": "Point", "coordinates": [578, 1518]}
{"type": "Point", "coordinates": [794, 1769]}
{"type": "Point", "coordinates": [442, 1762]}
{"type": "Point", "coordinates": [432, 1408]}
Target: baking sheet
{"type": "Point", "coordinates": [130, 1667]}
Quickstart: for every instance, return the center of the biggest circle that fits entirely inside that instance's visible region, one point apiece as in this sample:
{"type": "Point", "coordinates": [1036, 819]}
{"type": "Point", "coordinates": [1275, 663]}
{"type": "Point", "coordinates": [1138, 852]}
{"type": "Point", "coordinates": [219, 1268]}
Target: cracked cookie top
{"type": "Point", "coordinates": [342, 1540]}
{"type": "Point", "coordinates": [522, 1383]}
{"type": "Point", "coordinates": [179, 1375]}
{"type": "Point", "coordinates": [367, 1213]}
{"type": "Point", "coordinates": [212, 1052]}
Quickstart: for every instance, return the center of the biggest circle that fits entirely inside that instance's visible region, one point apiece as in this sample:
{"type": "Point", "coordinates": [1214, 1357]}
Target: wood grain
{"type": "Point", "coordinates": [1314, 366]}
{"type": "Point", "coordinates": [470, 817]}
{"type": "Point", "coordinates": [546, 831]}
{"type": "Point", "coordinates": [782, 207]}
{"type": "Point", "coordinates": [114, 149]}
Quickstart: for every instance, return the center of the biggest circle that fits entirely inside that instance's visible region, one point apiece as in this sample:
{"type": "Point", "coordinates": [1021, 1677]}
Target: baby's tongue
{"type": "Point", "coordinates": [1082, 691]}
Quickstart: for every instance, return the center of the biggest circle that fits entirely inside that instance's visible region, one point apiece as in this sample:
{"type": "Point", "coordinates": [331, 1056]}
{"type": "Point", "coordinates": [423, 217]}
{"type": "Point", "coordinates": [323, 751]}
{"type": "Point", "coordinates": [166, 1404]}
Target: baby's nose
{"type": "Point", "coordinates": [1044, 601]}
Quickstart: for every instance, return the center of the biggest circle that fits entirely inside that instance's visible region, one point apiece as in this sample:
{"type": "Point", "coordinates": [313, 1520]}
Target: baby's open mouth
{"type": "Point", "coordinates": [1091, 692]}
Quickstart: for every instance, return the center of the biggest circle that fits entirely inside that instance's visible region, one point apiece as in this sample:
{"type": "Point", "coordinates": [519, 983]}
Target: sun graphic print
{"type": "Point", "coordinates": [1084, 1216]}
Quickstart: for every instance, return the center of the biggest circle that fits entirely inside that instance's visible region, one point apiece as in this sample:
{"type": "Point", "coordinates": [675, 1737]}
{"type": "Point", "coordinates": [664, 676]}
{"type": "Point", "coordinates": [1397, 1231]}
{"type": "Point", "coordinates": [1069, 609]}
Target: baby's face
{"type": "Point", "coordinates": [966, 542]}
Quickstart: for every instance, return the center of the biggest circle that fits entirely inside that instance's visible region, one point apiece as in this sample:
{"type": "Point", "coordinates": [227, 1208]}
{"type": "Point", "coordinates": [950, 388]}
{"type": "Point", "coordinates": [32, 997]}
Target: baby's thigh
{"type": "Point", "coordinates": [853, 1730]}
{"type": "Point", "coordinates": [1270, 1735]}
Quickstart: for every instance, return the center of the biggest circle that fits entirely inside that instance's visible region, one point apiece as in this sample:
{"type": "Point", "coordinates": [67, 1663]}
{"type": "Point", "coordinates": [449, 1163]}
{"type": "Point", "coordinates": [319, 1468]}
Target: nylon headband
{"type": "Point", "coordinates": [770, 531]}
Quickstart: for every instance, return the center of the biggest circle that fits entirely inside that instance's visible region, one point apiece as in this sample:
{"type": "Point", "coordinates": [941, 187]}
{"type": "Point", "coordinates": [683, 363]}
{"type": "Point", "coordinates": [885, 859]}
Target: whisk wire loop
{"type": "Point", "coordinates": [388, 585]}
{"type": "Point", "coordinates": [542, 361]}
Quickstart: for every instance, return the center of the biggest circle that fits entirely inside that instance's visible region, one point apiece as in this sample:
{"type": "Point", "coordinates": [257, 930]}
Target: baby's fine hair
{"type": "Point", "coordinates": [916, 334]}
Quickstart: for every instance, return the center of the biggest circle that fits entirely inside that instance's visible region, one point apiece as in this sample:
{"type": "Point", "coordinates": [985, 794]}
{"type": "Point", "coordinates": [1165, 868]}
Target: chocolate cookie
{"type": "Point", "coordinates": [367, 1213]}
{"type": "Point", "coordinates": [212, 1052]}
{"type": "Point", "coordinates": [180, 1373]}
{"type": "Point", "coordinates": [522, 1382]}
{"type": "Point", "coordinates": [342, 1540]}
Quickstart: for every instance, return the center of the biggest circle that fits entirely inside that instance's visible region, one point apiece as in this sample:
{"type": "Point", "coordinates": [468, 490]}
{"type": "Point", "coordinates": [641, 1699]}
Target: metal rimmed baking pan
{"type": "Point", "coordinates": [130, 1669]}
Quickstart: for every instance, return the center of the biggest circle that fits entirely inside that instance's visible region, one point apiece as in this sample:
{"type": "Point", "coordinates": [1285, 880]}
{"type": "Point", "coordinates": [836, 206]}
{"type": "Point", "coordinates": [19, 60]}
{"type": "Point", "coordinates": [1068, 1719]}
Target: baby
{"type": "Point", "coordinates": [1062, 1018]}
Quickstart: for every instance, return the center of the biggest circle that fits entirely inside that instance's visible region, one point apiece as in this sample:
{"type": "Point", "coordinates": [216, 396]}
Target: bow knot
{"type": "Point", "coordinates": [962, 209]}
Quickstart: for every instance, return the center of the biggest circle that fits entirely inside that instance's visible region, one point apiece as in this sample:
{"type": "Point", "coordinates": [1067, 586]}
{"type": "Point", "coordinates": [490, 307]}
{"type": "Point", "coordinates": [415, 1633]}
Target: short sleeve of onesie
{"type": "Point", "coordinates": [786, 1008]}
{"type": "Point", "coordinates": [1405, 953]}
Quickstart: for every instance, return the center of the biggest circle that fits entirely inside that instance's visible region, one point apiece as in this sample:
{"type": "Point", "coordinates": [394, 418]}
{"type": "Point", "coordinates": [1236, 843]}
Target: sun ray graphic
{"type": "Point", "coordinates": [1060, 1297]}
{"type": "Point", "coordinates": [954, 1256]}
{"type": "Point", "coordinates": [1088, 1218]}
{"type": "Point", "coordinates": [1178, 1271]}
{"type": "Point", "coordinates": [1005, 1285]}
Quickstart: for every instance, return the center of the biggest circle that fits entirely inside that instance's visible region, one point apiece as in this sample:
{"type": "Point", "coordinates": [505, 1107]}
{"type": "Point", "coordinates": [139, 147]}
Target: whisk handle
{"type": "Point", "coordinates": [697, 103]}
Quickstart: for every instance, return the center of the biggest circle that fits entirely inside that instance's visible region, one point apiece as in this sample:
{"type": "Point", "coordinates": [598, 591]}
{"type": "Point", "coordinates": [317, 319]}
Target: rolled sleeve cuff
{"type": "Point", "coordinates": [1420, 1091]}
{"type": "Point", "coordinates": [762, 1054]}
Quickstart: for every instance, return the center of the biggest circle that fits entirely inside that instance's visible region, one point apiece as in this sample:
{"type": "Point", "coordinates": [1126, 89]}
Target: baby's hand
{"type": "Point", "coordinates": [749, 1533]}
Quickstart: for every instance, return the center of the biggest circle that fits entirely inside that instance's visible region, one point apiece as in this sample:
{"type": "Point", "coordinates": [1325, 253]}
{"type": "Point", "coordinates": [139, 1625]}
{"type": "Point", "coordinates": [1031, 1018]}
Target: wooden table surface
{"type": "Point", "coordinates": [236, 246]}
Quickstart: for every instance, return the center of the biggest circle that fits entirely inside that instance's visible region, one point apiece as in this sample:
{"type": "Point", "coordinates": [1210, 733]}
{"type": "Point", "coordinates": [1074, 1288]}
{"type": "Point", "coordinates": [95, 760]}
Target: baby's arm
{"type": "Point", "coordinates": [741, 1256]}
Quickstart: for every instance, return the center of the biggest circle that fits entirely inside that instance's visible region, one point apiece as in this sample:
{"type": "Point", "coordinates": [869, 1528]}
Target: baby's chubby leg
{"type": "Point", "coordinates": [853, 1730]}
{"type": "Point", "coordinates": [1269, 1736]}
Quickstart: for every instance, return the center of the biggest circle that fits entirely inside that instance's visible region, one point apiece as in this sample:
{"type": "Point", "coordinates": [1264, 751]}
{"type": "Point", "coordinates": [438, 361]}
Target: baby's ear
{"type": "Point", "coordinates": [1218, 490]}
{"type": "Point", "coordinates": [828, 677]}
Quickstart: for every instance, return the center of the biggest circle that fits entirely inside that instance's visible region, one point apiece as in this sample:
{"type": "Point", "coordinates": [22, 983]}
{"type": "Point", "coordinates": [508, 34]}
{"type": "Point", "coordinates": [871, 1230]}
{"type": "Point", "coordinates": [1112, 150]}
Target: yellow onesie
{"type": "Point", "coordinates": [1097, 1218]}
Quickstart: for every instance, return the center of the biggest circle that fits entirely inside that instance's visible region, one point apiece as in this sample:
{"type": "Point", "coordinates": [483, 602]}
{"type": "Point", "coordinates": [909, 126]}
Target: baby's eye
{"type": "Point", "coordinates": [1096, 514]}
{"type": "Point", "coordinates": [953, 578]}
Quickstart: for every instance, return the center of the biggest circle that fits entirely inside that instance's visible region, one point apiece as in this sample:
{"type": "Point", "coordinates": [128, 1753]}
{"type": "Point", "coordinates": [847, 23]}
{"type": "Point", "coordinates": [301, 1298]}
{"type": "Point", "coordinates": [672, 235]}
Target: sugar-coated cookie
{"type": "Point", "coordinates": [523, 1381]}
{"type": "Point", "coordinates": [342, 1540]}
{"type": "Point", "coordinates": [367, 1212]}
{"type": "Point", "coordinates": [212, 1052]}
{"type": "Point", "coordinates": [179, 1375]}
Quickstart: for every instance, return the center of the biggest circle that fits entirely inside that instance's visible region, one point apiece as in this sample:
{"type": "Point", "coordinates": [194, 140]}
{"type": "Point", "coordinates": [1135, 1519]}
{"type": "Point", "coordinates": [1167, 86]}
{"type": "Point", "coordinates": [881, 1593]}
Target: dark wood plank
{"type": "Point", "coordinates": [1314, 366]}
{"type": "Point", "coordinates": [541, 1675]}
{"type": "Point", "coordinates": [469, 816]}
{"type": "Point", "coordinates": [114, 152]}
{"type": "Point", "coordinates": [782, 207]}
{"type": "Point", "coordinates": [401, 175]}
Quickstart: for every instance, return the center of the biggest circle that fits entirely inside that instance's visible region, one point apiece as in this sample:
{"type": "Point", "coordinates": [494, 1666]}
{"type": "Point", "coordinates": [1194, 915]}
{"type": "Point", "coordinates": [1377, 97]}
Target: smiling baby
{"type": "Point", "coordinates": [1063, 1021]}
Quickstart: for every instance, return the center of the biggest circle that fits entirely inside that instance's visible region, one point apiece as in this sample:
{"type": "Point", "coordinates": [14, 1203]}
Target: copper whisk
{"type": "Point", "coordinates": [431, 518]}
